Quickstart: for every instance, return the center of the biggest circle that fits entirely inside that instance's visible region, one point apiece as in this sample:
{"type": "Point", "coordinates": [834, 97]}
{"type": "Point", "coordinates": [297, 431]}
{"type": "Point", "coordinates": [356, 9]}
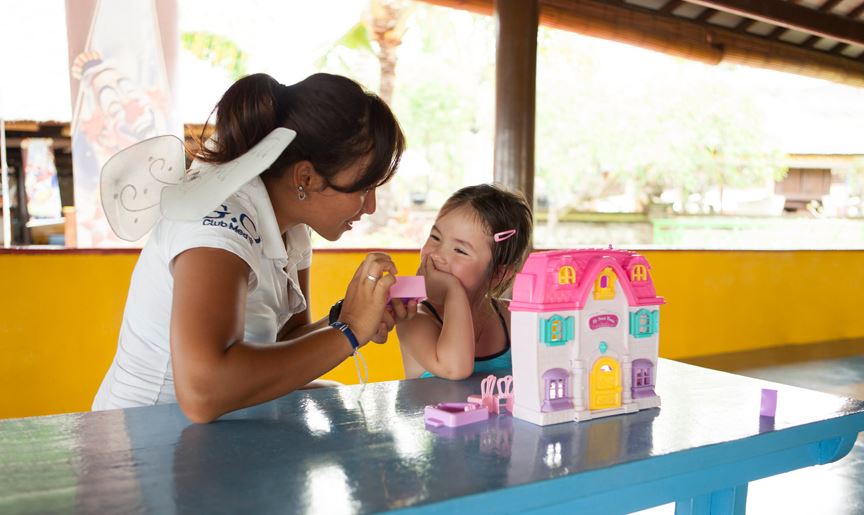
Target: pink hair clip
{"type": "Point", "coordinates": [503, 235]}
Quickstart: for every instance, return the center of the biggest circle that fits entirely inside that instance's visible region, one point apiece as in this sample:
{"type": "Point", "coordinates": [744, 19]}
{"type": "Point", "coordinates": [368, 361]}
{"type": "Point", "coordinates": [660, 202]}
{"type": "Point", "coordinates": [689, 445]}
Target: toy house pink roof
{"type": "Point", "coordinates": [537, 287]}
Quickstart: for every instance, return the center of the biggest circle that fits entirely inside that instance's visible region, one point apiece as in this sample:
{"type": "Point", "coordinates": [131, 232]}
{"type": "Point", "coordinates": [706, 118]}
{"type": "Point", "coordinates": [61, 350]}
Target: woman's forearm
{"type": "Point", "coordinates": [248, 374]}
{"type": "Point", "coordinates": [292, 332]}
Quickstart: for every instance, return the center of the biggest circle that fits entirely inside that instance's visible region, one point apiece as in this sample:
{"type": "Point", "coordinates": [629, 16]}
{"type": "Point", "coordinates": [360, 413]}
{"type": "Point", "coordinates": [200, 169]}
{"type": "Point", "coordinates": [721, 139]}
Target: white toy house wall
{"type": "Point", "coordinates": [582, 361]}
{"type": "Point", "coordinates": [601, 365]}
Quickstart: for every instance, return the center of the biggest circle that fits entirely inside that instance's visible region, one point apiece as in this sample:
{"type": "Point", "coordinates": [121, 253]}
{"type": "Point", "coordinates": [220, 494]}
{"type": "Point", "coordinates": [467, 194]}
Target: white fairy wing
{"type": "Point", "coordinates": [132, 180]}
{"type": "Point", "coordinates": [148, 180]}
{"type": "Point", "coordinates": [205, 187]}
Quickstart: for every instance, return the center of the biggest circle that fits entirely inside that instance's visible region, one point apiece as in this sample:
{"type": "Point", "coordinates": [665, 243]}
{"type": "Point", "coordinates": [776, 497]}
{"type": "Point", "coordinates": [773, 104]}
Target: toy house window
{"type": "Point", "coordinates": [556, 330]}
{"type": "Point", "coordinates": [643, 385]}
{"type": "Point", "coordinates": [555, 388]}
{"type": "Point", "coordinates": [644, 323]}
{"type": "Point", "coordinates": [604, 286]}
{"type": "Point", "coordinates": [640, 377]}
{"type": "Point", "coordinates": [566, 275]}
{"type": "Point", "coordinates": [639, 273]}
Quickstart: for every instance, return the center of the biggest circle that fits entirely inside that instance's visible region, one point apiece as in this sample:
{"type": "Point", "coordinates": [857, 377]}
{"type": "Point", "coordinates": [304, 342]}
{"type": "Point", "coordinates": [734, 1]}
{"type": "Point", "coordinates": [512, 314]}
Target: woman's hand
{"type": "Point", "coordinates": [397, 311]}
{"type": "Point", "coordinates": [364, 307]}
{"type": "Point", "coordinates": [438, 283]}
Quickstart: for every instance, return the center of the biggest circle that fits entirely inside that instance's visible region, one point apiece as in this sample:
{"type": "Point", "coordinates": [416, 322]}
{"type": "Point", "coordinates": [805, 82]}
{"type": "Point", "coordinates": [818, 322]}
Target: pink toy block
{"type": "Point", "coordinates": [769, 403]}
{"type": "Point", "coordinates": [454, 414]}
{"type": "Point", "coordinates": [408, 287]}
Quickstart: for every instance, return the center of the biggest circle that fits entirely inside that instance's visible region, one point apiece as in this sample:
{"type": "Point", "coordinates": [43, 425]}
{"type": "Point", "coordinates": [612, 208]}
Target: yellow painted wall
{"type": "Point", "coordinates": [60, 312]}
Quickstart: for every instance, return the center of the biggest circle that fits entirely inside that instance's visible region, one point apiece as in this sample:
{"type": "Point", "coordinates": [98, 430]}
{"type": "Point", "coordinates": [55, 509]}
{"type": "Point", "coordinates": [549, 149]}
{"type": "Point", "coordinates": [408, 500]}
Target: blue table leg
{"type": "Point", "coordinates": [731, 501]}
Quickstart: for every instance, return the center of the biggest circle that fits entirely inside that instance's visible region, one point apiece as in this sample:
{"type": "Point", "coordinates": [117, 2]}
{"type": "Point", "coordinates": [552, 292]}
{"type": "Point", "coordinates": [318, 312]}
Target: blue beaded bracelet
{"type": "Point", "coordinates": [342, 326]}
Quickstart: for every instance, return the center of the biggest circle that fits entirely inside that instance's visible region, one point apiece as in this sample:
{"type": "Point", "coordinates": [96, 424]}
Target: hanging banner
{"type": "Point", "coordinates": [40, 179]}
{"type": "Point", "coordinates": [122, 60]}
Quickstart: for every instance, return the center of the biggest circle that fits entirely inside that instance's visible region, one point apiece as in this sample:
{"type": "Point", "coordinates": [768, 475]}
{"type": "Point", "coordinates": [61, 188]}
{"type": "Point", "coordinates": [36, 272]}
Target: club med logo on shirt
{"type": "Point", "coordinates": [240, 224]}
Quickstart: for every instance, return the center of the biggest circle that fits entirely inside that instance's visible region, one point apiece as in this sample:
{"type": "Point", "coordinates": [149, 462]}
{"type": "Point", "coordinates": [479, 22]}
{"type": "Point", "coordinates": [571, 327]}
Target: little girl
{"type": "Point", "coordinates": [479, 241]}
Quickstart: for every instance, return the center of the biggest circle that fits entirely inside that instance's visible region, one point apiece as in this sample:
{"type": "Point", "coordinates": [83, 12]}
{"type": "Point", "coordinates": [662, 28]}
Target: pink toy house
{"type": "Point", "coordinates": [585, 333]}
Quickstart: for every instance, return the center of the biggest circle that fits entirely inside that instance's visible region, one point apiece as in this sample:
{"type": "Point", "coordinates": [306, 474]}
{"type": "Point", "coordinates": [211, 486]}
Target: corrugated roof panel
{"type": "Point", "coordinates": [760, 28]}
{"type": "Point", "coordinates": [853, 51]}
{"type": "Point", "coordinates": [825, 44]}
{"type": "Point", "coordinates": [654, 5]}
{"type": "Point", "coordinates": [794, 36]}
{"type": "Point", "coordinates": [725, 20]}
{"type": "Point", "coordinates": [688, 10]}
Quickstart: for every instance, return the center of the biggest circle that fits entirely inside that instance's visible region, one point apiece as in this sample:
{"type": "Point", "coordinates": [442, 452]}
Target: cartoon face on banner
{"type": "Point", "coordinates": [120, 77]}
{"type": "Point", "coordinates": [116, 112]}
{"type": "Point", "coordinates": [113, 113]}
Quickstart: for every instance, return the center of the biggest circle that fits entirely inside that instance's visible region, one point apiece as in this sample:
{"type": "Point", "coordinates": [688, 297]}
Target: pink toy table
{"type": "Point", "coordinates": [454, 414]}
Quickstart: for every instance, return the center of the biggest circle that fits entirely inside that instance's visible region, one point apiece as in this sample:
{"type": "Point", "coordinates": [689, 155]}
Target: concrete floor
{"type": "Point", "coordinates": [834, 489]}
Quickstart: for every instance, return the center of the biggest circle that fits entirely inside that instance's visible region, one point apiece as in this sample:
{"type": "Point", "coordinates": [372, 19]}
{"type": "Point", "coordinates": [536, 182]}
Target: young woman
{"type": "Point", "coordinates": [217, 316]}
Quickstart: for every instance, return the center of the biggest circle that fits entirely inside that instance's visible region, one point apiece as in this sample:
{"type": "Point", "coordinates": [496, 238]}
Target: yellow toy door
{"type": "Point", "coordinates": [605, 384]}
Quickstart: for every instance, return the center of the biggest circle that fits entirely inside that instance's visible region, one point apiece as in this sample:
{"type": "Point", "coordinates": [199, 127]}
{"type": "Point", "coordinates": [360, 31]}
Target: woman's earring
{"type": "Point", "coordinates": [301, 194]}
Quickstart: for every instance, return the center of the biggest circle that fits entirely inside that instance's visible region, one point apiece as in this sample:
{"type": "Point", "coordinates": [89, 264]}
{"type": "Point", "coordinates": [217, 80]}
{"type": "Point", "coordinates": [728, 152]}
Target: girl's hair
{"type": "Point", "coordinates": [336, 121]}
{"type": "Point", "coordinates": [498, 210]}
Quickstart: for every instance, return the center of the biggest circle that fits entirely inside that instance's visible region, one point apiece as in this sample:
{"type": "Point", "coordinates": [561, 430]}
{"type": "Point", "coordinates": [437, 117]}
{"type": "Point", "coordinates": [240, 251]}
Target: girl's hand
{"type": "Point", "coordinates": [366, 298]}
{"type": "Point", "coordinates": [438, 283]}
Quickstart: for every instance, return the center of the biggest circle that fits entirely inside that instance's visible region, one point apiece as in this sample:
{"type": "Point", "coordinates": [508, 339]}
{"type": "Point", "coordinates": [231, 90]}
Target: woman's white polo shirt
{"type": "Point", "coordinates": [244, 225]}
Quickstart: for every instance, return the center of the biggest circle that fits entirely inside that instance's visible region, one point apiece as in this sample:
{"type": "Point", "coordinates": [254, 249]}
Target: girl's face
{"type": "Point", "coordinates": [459, 245]}
{"type": "Point", "coordinates": [334, 211]}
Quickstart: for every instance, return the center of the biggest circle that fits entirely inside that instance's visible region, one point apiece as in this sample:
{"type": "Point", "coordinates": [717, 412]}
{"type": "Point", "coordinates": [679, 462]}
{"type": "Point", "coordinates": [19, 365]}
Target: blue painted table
{"type": "Point", "coordinates": [353, 449]}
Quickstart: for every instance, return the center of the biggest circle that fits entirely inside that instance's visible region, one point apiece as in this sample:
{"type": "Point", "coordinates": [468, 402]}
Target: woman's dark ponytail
{"type": "Point", "coordinates": [336, 120]}
{"type": "Point", "coordinates": [247, 111]}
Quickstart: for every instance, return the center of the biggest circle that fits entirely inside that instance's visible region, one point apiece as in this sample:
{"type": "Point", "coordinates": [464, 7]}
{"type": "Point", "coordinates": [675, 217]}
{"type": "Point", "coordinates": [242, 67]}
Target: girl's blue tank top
{"type": "Point", "coordinates": [485, 364]}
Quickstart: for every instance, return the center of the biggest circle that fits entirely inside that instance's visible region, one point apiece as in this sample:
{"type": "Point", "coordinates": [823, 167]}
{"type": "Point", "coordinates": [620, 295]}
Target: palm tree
{"type": "Point", "coordinates": [387, 25]}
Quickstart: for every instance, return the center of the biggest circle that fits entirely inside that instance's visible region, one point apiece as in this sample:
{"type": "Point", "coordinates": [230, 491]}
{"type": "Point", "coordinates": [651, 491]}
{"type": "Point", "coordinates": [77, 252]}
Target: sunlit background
{"type": "Point", "coordinates": [634, 148]}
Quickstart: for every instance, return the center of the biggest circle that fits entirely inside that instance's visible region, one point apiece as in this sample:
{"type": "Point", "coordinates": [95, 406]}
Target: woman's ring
{"type": "Point", "coordinates": [371, 278]}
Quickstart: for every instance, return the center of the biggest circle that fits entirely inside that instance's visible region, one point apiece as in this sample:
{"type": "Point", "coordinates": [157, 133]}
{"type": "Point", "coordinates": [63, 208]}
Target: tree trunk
{"type": "Point", "coordinates": [387, 29]}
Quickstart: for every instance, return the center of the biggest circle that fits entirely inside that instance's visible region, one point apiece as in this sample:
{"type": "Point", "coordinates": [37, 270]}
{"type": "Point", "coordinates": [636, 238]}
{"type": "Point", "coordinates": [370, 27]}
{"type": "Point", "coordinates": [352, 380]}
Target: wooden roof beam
{"type": "Point", "coordinates": [830, 4]}
{"type": "Point", "coordinates": [670, 6]}
{"type": "Point", "coordinates": [705, 15]}
{"type": "Point", "coordinates": [605, 20]}
{"type": "Point", "coordinates": [792, 16]}
{"type": "Point", "coordinates": [745, 24]}
{"type": "Point", "coordinates": [683, 38]}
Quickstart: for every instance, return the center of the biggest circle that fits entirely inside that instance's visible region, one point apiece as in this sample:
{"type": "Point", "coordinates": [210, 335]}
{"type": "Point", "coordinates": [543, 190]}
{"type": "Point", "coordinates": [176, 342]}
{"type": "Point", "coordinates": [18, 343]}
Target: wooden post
{"type": "Point", "coordinates": [515, 93]}
{"type": "Point", "coordinates": [4, 170]}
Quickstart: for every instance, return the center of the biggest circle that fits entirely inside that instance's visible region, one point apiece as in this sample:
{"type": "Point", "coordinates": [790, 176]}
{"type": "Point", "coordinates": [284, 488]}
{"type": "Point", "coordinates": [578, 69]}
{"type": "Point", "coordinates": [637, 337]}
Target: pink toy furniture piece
{"type": "Point", "coordinates": [454, 414]}
{"type": "Point", "coordinates": [493, 401]}
{"type": "Point", "coordinates": [505, 397]}
{"type": "Point", "coordinates": [408, 287]}
{"type": "Point", "coordinates": [487, 396]}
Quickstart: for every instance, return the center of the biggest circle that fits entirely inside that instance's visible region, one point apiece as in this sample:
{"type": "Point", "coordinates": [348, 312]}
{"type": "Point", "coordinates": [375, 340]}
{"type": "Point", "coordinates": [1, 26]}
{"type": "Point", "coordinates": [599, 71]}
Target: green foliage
{"type": "Point", "coordinates": [663, 125]}
{"type": "Point", "coordinates": [217, 50]}
{"type": "Point", "coordinates": [355, 39]}
{"type": "Point", "coordinates": [444, 90]}
{"type": "Point", "coordinates": [667, 124]}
